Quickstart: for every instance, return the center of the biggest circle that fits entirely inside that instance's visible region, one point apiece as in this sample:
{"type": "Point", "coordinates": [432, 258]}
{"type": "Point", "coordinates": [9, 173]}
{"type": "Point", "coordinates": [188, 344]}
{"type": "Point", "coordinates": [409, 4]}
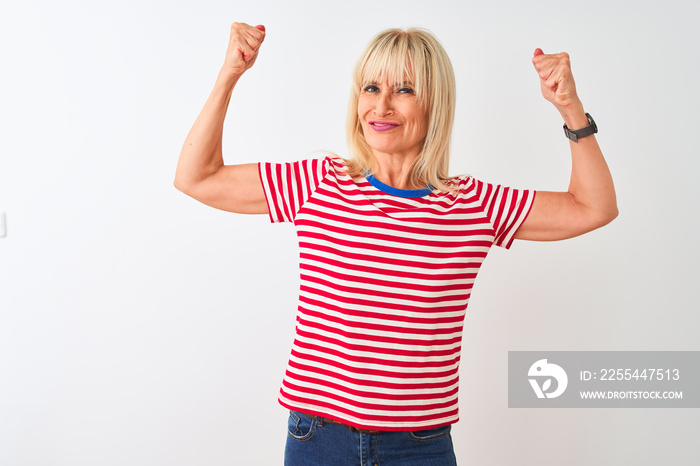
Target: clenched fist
{"type": "Point", "coordinates": [556, 80]}
{"type": "Point", "coordinates": [243, 47]}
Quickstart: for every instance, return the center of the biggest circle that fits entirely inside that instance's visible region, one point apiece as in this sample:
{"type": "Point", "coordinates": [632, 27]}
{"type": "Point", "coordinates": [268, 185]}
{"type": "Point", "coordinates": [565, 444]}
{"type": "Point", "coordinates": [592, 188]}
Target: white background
{"type": "Point", "coordinates": [140, 327]}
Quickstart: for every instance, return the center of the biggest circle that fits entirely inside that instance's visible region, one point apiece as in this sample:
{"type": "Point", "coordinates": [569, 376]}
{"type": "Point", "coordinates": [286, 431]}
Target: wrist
{"type": "Point", "coordinates": [574, 116]}
{"type": "Point", "coordinates": [228, 77]}
{"type": "Point", "coordinates": [577, 134]}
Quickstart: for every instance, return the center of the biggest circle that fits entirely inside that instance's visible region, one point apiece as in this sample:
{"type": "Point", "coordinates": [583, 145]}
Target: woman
{"type": "Point", "coordinates": [390, 245]}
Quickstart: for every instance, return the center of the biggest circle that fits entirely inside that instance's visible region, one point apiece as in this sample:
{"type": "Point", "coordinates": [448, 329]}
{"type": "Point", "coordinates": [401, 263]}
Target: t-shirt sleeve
{"type": "Point", "coordinates": [288, 185]}
{"type": "Point", "coordinates": [506, 209]}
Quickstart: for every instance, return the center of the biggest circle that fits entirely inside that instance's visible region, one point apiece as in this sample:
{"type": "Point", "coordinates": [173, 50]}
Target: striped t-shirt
{"type": "Point", "coordinates": [384, 285]}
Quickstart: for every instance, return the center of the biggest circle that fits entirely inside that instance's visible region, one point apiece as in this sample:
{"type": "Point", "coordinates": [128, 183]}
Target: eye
{"type": "Point", "coordinates": [406, 90]}
{"type": "Point", "coordinates": [371, 88]}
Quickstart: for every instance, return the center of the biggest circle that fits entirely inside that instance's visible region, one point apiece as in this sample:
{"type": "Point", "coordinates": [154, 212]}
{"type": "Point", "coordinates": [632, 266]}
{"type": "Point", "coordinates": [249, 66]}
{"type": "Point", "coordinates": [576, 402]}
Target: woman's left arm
{"type": "Point", "coordinates": [590, 201]}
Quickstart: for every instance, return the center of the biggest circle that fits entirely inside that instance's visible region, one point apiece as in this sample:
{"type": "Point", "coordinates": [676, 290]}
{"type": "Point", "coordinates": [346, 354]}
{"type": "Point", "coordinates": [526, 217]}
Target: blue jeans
{"type": "Point", "coordinates": [311, 442]}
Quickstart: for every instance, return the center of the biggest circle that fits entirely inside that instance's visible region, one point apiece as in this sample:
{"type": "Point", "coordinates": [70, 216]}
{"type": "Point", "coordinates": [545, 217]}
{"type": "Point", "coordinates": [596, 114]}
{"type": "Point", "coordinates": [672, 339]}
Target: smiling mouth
{"type": "Point", "coordinates": [382, 125]}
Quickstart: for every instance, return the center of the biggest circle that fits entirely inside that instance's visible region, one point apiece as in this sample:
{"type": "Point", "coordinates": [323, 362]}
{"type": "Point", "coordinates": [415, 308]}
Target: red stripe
{"type": "Point", "coordinates": [368, 394]}
{"type": "Point", "coordinates": [357, 197]}
{"type": "Point", "coordinates": [427, 321]}
{"type": "Point", "coordinates": [289, 191]}
{"type": "Point", "coordinates": [384, 327]}
{"type": "Point", "coordinates": [519, 217]}
{"type": "Point", "coordinates": [369, 347]}
{"type": "Point", "coordinates": [296, 193]}
{"type": "Point", "coordinates": [372, 303]}
{"type": "Point", "coordinates": [437, 280]}
{"type": "Point", "coordinates": [376, 360]}
{"type": "Point", "coordinates": [455, 216]}
{"type": "Point", "coordinates": [365, 405]}
{"type": "Point", "coordinates": [503, 210]}
{"type": "Point", "coordinates": [365, 381]}
{"type": "Point", "coordinates": [449, 253]}
{"type": "Point", "coordinates": [282, 189]}
{"type": "Point", "coordinates": [379, 338]}
{"type": "Point", "coordinates": [345, 217]}
{"type": "Point", "coordinates": [309, 173]}
{"type": "Point", "coordinates": [490, 199]}
{"type": "Point", "coordinates": [497, 219]}
{"type": "Point", "coordinates": [526, 198]}
{"type": "Point", "coordinates": [274, 190]}
{"type": "Point", "coordinates": [407, 240]}
{"type": "Point", "coordinates": [328, 252]}
{"type": "Point", "coordinates": [416, 297]}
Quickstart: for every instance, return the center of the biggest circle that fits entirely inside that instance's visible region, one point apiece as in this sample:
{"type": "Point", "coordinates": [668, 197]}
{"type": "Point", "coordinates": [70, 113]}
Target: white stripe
{"type": "Point", "coordinates": [403, 346]}
{"type": "Point", "coordinates": [461, 276]}
{"type": "Point", "coordinates": [417, 402]}
{"type": "Point", "coordinates": [411, 410]}
{"type": "Point", "coordinates": [453, 298]}
{"type": "Point", "coordinates": [426, 266]}
{"type": "Point", "coordinates": [424, 323]}
{"type": "Point", "coordinates": [402, 333]}
{"type": "Point", "coordinates": [455, 348]}
{"type": "Point", "coordinates": [373, 377]}
{"type": "Point", "coordinates": [281, 193]}
{"type": "Point", "coordinates": [413, 221]}
{"type": "Point", "coordinates": [394, 242]}
{"type": "Point", "coordinates": [373, 308]}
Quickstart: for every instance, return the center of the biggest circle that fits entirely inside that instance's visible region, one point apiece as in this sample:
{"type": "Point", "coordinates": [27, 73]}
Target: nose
{"type": "Point", "coordinates": [384, 104]}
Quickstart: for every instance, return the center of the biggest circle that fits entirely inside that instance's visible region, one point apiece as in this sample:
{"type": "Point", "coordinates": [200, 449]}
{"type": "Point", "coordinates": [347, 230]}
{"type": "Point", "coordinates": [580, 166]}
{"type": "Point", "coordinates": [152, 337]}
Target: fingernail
{"type": "Point", "coordinates": [261, 27]}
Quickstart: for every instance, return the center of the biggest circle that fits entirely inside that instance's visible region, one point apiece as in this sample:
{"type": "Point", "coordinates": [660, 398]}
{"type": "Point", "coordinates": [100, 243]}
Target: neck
{"type": "Point", "coordinates": [394, 170]}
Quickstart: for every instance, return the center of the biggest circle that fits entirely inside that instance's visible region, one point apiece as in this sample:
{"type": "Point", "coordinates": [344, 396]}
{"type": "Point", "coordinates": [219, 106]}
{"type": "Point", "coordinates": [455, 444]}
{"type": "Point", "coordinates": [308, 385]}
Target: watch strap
{"type": "Point", "coordinates": [592, 128]}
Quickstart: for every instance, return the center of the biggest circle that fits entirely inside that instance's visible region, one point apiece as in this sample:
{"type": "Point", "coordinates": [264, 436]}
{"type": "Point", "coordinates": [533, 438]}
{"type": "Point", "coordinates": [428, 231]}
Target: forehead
{"type": "Point", "coordinates": [388, 81]}
{"type": "Point", "coordinates": [388, 66]}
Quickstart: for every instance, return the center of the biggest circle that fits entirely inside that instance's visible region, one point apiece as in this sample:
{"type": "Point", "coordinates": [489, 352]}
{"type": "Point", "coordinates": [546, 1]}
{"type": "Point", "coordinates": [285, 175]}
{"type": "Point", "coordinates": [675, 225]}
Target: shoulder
{"type": "Point", "coordinates": [335, 162]}
{"type": "Point", "coordinates": [467, 188]}
{"type": "Point", "coordinates": [463, 184]}
{"type": "Point", "coordinates": [320, 164]}
{"type": "Point", "coordinates": [466, 183]}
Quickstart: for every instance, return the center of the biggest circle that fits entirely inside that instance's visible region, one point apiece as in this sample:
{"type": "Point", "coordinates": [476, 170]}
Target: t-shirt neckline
{"type": "Point", "coordinates": [412, 193]}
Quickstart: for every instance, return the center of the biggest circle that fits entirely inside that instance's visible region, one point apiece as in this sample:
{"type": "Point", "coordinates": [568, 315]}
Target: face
{"type": "Point", "coordinates": [393, 120]}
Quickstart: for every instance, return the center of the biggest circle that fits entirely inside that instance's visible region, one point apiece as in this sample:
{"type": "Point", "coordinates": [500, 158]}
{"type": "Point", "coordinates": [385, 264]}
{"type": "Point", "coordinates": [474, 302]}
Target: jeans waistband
{"type": "Point", "coordinates": [325, 420]}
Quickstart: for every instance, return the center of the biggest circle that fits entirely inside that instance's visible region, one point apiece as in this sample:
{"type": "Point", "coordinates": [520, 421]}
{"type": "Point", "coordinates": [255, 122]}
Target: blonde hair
{"type": "Point", "coordinates": [414, 53]}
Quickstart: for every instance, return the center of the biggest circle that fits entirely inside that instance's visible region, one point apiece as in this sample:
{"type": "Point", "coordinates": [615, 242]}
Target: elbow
{"type": "Point", "coordinates": [180, 185]}
{"type": "Point", "coordinates": [605, 216]}
{"type": "Point", "coordinates": [611, 212]}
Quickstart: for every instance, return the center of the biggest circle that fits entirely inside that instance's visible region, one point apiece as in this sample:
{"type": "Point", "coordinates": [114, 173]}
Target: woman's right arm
{"type": "Point", "coordinates": [201, 172]}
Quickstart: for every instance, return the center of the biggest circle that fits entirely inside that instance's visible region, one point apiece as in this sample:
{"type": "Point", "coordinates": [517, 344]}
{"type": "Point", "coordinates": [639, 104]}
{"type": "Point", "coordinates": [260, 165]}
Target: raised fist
{"type": "Point", "coordinates": [556, 80]}
{"type": "Point", "coordinates": [243, 47]}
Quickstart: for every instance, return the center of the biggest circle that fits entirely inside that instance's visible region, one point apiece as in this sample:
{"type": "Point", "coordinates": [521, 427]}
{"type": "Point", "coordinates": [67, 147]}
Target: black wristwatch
{"type": "Point", "coordinates": [583, 132]}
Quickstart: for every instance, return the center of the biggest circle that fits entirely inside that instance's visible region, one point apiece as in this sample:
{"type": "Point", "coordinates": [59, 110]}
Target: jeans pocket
{"type": "Point", "coordinates": [300, 426]}
{"type": "Point", "coordinates": [430, 434]}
